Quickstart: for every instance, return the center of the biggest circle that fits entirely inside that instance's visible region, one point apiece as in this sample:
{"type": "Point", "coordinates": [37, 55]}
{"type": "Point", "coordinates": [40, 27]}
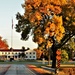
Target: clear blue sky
{"type": "Point", "coordinates": [8, 10]}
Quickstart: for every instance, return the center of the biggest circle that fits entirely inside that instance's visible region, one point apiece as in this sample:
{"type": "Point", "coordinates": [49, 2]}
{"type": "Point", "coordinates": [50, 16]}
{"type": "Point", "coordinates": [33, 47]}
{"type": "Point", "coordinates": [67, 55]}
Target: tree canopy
{"type": "Point", "coordinates": [3, 44]}
{"type": "Point", "coordinates": [51, 22]}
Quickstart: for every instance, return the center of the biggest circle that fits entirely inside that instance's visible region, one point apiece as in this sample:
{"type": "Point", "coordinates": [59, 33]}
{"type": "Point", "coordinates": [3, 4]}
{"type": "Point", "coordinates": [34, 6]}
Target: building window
{"type": "Point", "coordinates": [2, 53]}
{"type": "Point", "coordinates": [26, 52]}
{"type": "Point", "coordinates": [5, 52]}
{"type": "Point", "coordinates": [5, 56]}
{"type": "Point", "coordinates": [12, 53]}
{"type": "Point", "coordinates": [26, 56]}
{"type": "Point", "coordinates": [30, 52]}
{"type": "Point", "coordinates": [33, 52]}
{"type": "Point", "coordinates": [33, 56]}
{"type": "Point", "coordinates": [18, 53]}
{"type": "Point", "coordinates": [15, 53]}
{"type": "Point", "coordinates": [9, 53]}
{"type": "Point", "coordinates": [8, 56]}
{"type": "Point", "coordinates": [15, 56]}
{"type": "Point", "coordinates": [30, 56]}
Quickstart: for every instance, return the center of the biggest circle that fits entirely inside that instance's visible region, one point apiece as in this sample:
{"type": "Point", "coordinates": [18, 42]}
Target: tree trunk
{"type": "Point", "coordinates": [49, 56]}
{"type": "Point", "coordinates": [54, 58]}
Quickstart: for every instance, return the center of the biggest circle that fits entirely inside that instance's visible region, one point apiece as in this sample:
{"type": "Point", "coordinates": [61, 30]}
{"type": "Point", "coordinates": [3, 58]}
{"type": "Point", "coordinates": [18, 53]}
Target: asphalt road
{"type": "Point", "coordinates": [15, 69]}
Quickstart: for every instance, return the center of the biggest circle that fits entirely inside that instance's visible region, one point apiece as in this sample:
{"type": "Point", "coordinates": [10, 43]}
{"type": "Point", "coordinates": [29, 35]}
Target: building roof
{"type": "Point", "coordinates": [15, 50]}
{"type": "Point", "coordinates": [6, 50]}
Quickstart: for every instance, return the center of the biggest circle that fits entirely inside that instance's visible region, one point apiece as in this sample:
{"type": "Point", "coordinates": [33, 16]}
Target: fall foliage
{"type": "Point", "coordinates": [36, 11]}
{"type": "Point", "coordinates": [51, 22]}
{"type": "Point", "coordinates": [3, 44]}
{"type": "Point", "coordinates": [38, 53]}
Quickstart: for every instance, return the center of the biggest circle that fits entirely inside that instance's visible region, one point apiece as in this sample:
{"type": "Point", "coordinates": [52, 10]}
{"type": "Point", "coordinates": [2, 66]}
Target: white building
{"type": "Point", "coordinates": [14, 54]}
{"type": "Point", "coordinates": [30, 54]}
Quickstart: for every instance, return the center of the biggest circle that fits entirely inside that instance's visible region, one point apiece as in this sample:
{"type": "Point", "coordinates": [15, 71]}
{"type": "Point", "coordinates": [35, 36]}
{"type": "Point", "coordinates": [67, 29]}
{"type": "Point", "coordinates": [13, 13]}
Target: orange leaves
{"type": "Point", "coordinates": [35, 17]}
{"type": "Point", "coordinates": [59, 2]}
{"type": "Point", "coordinates": [36, 3]}
{"type": "Point", "coordinates": [49, 44]}
{"type": "Point", "coordinates": [42, 10]}
{"type": "Point", "coordinates": [47, 30]}
{"type": "Point", "coordinates": [73, 2]}
{"type": "Point", "coordinates": [3, 44]}
{"type": "Point", "coordinates": [55, 28]}
{"type": "Point", "coordinates": [45, 2]}
{"type": "Point", "coordinates": [58, 20]}
{"type": "Point", "coordinates": [38, 53]}
{"type": "Point", "coordinates": [32, 18]}
{"type": "Point", "coordinates": [56, 2]}
{"type": "Point", "coordinates": [57, 10]}
{"type": "Point", "coordinates": [38, 15]}
{"type": "Point", "coordinates": [38, 70]}
{"type": "Point", "coordinates": [52, 27]}
{"type": "Point", "coordinates": [40, 40]}
{"type": "Point", "coordinates": [37, 7]}
{"type": "Point", "coordinates": [63, 2]}
{"type": "Point", "coordinates": [28, 8]}
{"type": "Point", "coordinates": [59, 29]}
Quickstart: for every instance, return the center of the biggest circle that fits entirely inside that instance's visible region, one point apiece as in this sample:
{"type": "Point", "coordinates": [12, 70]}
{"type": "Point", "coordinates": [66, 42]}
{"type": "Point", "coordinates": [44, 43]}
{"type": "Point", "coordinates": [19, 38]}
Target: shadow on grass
{"type": "Point", "coordinates": [48, 74]}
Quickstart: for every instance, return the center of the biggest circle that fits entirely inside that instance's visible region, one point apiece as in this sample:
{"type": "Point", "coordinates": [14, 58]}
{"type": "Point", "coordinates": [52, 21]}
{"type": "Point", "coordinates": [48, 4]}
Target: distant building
{"type": "Point", "coordinates": [14, 54]}
{"type": "Point", "coordinates": [30, 54]}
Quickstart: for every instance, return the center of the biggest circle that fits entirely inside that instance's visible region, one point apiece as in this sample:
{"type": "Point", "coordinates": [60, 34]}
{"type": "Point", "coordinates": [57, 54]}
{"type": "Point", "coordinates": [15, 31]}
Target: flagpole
{"type": "Point", "coordinates": [12, 35]}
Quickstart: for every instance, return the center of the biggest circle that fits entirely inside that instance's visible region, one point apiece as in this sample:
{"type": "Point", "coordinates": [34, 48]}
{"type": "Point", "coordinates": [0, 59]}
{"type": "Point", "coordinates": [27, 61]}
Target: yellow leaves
{"type": "Point", "coordinates": [43, 10]}
{"type": "Point", "coordinates": [62, 29]}
{"type": "Point", "coordinates": [32, 18]}
{"type": "Point", "coordinates": [67, 18]}
{"type": "Point", "coordinates": [49, 44]}
{"type": "Point", "coordinates": [60, 33]}
{"type": "Point", "coordinates": [73, 2]}
{"type": "Point", "coordinates": [55, 28]}
{"type": "Point", "coordinates": [52, 27]}
{"type": "Point", "coordinates": [47, 30]}
{"type": "Point", "coordinates": [36, 3]}
{"type": "Point", "coordinates": [58, 20]}
{"type": "Point", "coordinates": [35, 18]}
{"type": "Point", "coordinates": [37, 31]}
{"type": "Point", "coordinates": [28, 8]}
{"type": "Point", "coordinates": [59, 2]}
{"type": "Point", "coordinates": [38, 15]}
{"type": "Point", "coordinates": [57, 10]}
{"type": "Point", "coordinates": [40, 40]}
{"type": "Point", "coordinates": [44, 2]}
{"type": "Point", "coordinates": [63, 2]}
{"type": "Point", "coordinates": [56, 2]}
{"type": "Point", "coordinates": [58, 38]}
{"type": "Point", "coordinates": [73, 23]}
{"type": "Point", "coordinates": [51, 34]}
{"type": "Point", "coordinates": [36, 11]}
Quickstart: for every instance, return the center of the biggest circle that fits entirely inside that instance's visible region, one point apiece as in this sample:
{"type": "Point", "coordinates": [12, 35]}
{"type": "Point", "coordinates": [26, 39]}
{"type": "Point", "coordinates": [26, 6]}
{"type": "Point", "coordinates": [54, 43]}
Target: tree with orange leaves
{"type": "Point", "coordinates": [48, 22]}
{"type": "Point", "coordinates": [3, 44]}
